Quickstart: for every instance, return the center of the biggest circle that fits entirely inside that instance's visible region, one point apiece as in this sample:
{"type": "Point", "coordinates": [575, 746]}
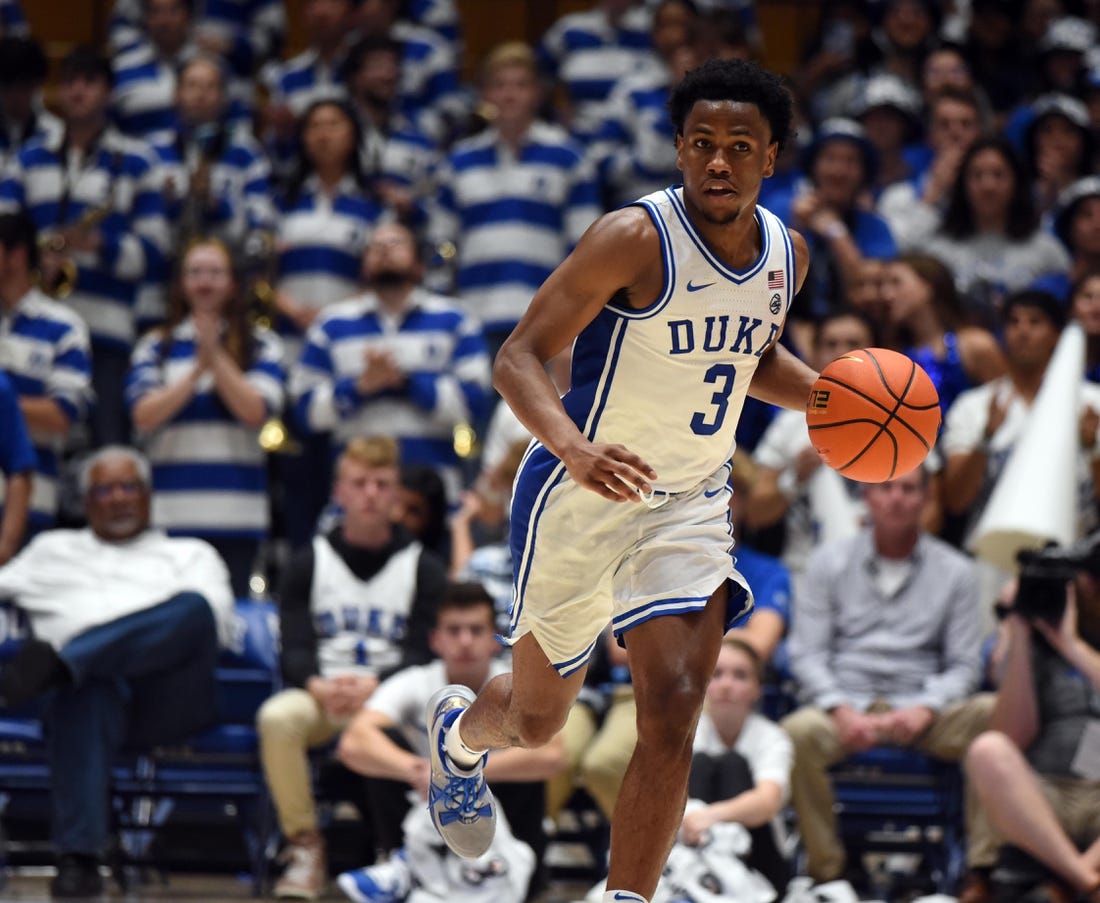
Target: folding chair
{"type": "Point", "coordinates": [898, 800]}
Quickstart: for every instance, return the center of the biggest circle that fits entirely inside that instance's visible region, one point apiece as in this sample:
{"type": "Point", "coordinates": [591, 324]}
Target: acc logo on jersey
{"type": "Point", "coordinates": [775, 303]}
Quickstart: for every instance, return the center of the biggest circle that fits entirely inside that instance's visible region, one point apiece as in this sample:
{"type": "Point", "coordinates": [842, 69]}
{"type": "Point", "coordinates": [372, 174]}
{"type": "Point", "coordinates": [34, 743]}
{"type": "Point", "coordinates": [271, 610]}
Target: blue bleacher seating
{"type": "Point", "coordinates": [216, 773]}
{"type": "Point", "coordinates": [900, 800]}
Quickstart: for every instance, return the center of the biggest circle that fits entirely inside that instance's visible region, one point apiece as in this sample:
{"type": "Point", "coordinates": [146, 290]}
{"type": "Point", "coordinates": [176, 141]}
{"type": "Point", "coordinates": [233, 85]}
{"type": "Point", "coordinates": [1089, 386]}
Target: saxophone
{"type": "Point", "coordinates": [259, 268]}
{"type": "Point", "coordinates": [63, 283]}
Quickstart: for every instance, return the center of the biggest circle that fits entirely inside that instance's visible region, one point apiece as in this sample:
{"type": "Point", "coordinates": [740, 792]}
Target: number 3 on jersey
{"type": "Point", "coordinates": [723, 375]}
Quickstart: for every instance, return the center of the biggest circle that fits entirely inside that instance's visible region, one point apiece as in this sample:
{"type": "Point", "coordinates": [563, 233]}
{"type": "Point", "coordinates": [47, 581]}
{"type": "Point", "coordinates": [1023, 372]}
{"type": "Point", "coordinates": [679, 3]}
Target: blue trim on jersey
{"type": "Point", "coordinates": [736, 276]}
{"type": "Point", "coordinates": [577, 662]}
{"type": "Point", "coordinates": [617, 336]}
{"type": "Point", "coordinates": [669, 262]}
{"type": "Point", "coordinates": [792, 276]}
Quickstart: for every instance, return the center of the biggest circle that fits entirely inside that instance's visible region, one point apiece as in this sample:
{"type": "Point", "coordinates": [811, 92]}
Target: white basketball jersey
{"type": "Point", "coordinates": [669, 381]}
{"type": "Point", "coordinates": [361, 624]}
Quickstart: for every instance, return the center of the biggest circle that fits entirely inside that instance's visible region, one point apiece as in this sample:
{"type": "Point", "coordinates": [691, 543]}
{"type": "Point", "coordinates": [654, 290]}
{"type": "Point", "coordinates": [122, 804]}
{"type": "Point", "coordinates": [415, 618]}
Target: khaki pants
{"type": "Point", "coordinates": [291, 723]}
{"type": "Point", "coordinates": [597, 758]}
{"type": "Point", "coordinates": [817, 748]}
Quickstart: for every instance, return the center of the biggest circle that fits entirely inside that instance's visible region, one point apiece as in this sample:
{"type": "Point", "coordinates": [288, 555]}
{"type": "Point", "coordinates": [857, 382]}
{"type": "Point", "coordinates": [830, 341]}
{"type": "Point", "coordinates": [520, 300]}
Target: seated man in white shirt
{"type": "Point", "coordinates": [126, 626]}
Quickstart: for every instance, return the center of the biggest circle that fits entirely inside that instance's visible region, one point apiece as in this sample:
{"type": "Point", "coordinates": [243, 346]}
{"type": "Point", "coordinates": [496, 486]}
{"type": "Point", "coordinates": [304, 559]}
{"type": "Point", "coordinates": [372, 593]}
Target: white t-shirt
{"type": "Point", "coordinates": [784, 439]}
{"type": "Point", "coordinates": [762, 743]}
{"type": "Point", "coordinates": [404, 696]}
{"type": "Point", "coordinates": [69, 581]}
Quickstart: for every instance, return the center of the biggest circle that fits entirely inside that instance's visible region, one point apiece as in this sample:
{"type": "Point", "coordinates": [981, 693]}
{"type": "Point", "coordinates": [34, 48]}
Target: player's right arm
{"type": "Point", "coordinates": [621, 250]}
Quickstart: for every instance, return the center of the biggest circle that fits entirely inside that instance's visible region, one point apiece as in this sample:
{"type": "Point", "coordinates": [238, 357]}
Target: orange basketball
{"type": "Point", "coordinates": [873, 415]}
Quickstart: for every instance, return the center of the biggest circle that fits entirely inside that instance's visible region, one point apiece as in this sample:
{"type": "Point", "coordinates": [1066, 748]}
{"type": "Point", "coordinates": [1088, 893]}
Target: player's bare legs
{"type": "Point", "coordinates": [671, 661]}
{"type": "Point", "coordinates": [524, 708]}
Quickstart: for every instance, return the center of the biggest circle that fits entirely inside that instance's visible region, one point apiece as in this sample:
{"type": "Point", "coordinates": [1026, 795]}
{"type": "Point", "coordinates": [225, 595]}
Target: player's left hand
{"type": "Point", "coordinates": [612, 471]}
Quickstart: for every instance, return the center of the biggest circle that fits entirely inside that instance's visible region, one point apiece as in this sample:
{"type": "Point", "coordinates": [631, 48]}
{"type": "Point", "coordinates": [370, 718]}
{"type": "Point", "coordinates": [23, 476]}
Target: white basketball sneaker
{"type": "Point", "coordinates": [459, 801]}
{"type": "Point", "coordinates": [385, 882]}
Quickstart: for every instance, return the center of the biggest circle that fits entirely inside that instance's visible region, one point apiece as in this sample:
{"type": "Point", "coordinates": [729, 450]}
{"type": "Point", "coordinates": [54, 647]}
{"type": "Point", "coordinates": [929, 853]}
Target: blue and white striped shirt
{"type": "Point", "coordinates": [144, 93]}
{"type": "Point", "coordinates": [635, 148]}
{"type": "Point", "coordinates": [403, 156]}
{"type": "Point", "coordinates": [431, 93]}
{"type": "Point", "coordinates": [143, 99]}
{"type": "Point", "coordinates": [43, 126]}
{"type": "Point", "coordinates": [512, 218]}
{"type": "Point", "coordinates": [253, 31]}
{"type": "Point", "coordinates": [321, 240]}
{"type": "Point", "coordinates": [297, 82]}
{"type": "Point", "coordinates": [441, 16]}
{"type": "Point", "coordinates": [588, 54]}
{"type": "Point", "coordinates": [117, 174]}
{"type": "Point", "coordinates": [441, 350]}
{"type": "Point", "coordinates": [209, 473]}
{"type": "Point", "coordinates": [240, 183]}
{"type": "Point", "coordinates": [44, 350]}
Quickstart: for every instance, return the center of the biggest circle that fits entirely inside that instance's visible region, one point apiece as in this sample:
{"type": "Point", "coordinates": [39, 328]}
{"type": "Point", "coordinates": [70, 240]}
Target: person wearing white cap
{"type": "Point", "coordinates": [1058, 146]}
{"type": "Point", "coordinates": [889, 110]}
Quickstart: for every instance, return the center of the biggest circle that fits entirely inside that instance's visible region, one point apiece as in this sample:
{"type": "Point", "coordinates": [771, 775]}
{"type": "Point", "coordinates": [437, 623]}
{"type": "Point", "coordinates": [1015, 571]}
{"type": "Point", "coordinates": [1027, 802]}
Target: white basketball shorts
{"type": "Point", "coordinates": [580, 560]}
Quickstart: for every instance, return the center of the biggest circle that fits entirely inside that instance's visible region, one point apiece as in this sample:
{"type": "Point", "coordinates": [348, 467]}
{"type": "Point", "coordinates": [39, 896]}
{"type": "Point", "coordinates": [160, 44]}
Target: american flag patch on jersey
{"type": "Point", "coordinates": [775, 279]}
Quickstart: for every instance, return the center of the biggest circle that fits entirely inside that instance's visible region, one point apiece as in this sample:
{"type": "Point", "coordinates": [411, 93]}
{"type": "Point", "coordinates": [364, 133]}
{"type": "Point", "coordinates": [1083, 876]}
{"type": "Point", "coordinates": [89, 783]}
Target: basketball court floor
{"type": "Point", "coordinates": [32, 886]}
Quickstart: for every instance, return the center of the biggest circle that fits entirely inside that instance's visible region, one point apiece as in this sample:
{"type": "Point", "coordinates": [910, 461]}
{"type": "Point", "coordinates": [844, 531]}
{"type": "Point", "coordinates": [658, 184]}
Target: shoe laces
{"type": "Point", "coordinates": [463, 800]}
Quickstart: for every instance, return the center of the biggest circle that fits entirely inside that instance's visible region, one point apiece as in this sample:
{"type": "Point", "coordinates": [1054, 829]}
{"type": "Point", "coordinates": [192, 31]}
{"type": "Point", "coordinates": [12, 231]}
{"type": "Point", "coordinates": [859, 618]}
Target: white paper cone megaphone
{"type": "Point", "coordinates": [1035, 498]}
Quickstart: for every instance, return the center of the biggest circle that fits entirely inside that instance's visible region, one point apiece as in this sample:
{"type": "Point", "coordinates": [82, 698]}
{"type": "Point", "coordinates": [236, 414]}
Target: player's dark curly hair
{"type": "Point", "coordinates": [740, 81]}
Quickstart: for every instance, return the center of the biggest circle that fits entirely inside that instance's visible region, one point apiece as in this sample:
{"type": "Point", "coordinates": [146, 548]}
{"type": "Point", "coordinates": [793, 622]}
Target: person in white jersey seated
{"type": "Point", "coordinates": [354, 606]}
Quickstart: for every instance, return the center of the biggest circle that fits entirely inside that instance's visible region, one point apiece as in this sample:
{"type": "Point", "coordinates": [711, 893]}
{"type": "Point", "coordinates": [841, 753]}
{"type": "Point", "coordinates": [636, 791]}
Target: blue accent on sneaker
{"type": "Point", "coordinates": [384, 882]}
{"type": "Point", "coordinates": [459, 801]}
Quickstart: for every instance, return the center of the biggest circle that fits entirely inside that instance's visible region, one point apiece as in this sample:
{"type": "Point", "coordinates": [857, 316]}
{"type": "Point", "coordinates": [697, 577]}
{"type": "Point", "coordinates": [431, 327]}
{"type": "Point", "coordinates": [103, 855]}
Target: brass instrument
{"type": "Point", "coordinates": [258, 271]}
{"type": "Point", "coordinates": [259, 267]}
{"type": "Point", "coordinates": [192, 220]}
{"type": "Point", "coordinates": [55, 242]}
{"type": "Point", "coordinates": [275, 439]}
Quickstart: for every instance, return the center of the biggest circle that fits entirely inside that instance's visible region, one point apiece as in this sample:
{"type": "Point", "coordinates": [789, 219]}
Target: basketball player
{"type": "Point", "coordinates": [674, 306]}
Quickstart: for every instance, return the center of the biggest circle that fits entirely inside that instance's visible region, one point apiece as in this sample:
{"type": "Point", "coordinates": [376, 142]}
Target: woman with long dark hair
{"type": "Point", "coordinates": [327, 212]}
{"type": "Point", "coordinates": [199, 389]}
{"type": "Point", "coordinates": [990, 236]}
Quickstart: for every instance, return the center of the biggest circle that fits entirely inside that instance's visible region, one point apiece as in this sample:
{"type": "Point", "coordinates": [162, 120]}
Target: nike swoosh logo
{"type": "Point", "coordinates": [619, 895]}
{"type": "Point", "coordinates": [694, 288]}
{"type": "Point", "coordinates": [711, 495]}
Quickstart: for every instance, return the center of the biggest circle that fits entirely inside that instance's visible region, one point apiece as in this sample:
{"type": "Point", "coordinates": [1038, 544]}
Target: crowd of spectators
{"type": "Point", "coordinates": [284, 279]}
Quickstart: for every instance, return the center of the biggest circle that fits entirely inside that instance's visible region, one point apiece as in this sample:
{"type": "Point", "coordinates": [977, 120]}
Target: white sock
{"type": "Point", "coordinates": [459, 752]}
{"type": "Point", "coordinates": [618, 896]}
